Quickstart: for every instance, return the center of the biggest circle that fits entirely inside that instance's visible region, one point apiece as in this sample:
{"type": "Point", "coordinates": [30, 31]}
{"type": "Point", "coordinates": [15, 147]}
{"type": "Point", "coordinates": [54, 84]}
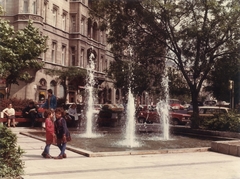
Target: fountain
{"type": "Point", "coordinates": [163, 108]}
{"type": "Point", "coordinates": [90, 97]}
{"type": "Point", "coordinates": [130, 137]}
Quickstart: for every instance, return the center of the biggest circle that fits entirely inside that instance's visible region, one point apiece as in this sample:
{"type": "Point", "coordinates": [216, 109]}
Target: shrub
{"type": "Point", "coordinates": [228, 122]}
{"type": "Point", "coordinates": [18, 104]}
{"type": "Point", "coordinates": [11, 165]}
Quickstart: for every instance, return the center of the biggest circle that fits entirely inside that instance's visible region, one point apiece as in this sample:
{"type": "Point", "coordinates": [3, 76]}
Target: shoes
{"type": "Point", "coordinates": [59, 157]}
{"type": "Point", "coordinates": [46, 155]}
{"type": "Point", "coordinates": [64, 155]}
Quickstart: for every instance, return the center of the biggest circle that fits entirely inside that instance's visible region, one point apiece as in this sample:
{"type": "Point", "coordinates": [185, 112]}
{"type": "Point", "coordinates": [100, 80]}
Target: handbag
{"type": "Point", "coordinates": [68, 138]}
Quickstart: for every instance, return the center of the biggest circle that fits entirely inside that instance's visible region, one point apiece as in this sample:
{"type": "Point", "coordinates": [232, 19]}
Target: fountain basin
{"type": "Point", "coordinates": [110, 141]}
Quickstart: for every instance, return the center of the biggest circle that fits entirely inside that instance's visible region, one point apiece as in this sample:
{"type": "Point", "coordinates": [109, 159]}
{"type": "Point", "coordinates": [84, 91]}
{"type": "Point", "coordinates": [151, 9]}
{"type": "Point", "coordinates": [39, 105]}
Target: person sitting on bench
{"type": "Point", "coordinates": [30, 112]}
{"type": "Point", "coordinates": [10, 113]}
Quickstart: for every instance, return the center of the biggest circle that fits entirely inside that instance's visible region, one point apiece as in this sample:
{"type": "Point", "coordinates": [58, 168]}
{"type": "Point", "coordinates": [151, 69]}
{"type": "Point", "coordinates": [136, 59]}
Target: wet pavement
{"type": "Point", "coordinates": [185, 164]}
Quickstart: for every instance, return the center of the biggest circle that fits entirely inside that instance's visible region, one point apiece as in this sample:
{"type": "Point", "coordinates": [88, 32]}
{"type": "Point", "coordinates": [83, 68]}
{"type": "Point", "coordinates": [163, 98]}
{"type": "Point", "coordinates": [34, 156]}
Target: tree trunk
{"type": "Point", "coordinates": [195, 115]}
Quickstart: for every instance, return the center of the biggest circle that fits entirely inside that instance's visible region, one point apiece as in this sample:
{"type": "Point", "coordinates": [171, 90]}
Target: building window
{"type": "Point", "coordinates": [54, 15]}
{"type": "Point", "coordinates": [73, 23]}
{"type": "Point", "coordinates": [64, 19]}
{"type": "Point", "coordinates": [34, 7]}
{"type": "Point", "coordinates": [63, 54]}
{"type": "Point", "coordinates": [54, 49]}
{"type": "Point", "coordinates": [44, 12]}
{"type": "Point", "coordinates": [101, 64]}
{"type": "Point", "coordinates": [95, 31]}
{"type": "Point", "coordinates": [25, 6]}
{"type": "Point", "coordinates": [73, 56]}
{"type": "Point", "coordinates": [89, 28]}
{"type": "Point", "coordinates": [83, 26]}
{"type": "Point", "coordinates": [82, 58]}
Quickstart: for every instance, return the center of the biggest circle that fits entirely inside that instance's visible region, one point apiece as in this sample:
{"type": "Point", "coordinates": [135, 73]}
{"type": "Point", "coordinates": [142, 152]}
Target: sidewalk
{"type": "Point", "coordinates": [196, 165]}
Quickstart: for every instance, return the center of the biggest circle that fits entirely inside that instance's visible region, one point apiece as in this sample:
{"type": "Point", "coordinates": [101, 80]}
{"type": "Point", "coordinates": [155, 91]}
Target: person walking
{"type": "Point", "coordinates": [50, 132]}
{"type": "Point", "coordinates": [10, 113]}
{"type": "Point", "coordinates": [61, 132]}
{"type": "Point", "coordinates": [51, 102]}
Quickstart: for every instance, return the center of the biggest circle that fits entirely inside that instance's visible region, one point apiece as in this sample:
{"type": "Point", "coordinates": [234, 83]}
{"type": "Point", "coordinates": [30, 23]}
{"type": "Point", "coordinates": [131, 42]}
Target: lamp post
{"type": "Point", "coordinates": [231, 88]}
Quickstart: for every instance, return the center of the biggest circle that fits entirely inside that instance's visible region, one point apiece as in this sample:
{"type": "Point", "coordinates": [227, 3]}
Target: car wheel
{"type": "Point", "coordinates": [174, 122]}
{"type": "Point", "coordinates": [141, 120]}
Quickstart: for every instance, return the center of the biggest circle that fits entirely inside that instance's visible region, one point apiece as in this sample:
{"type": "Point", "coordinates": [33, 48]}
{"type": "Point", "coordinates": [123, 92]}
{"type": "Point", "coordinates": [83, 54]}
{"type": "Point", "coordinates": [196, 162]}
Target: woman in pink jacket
{"type": "Point", "coordinates": [50, 134]}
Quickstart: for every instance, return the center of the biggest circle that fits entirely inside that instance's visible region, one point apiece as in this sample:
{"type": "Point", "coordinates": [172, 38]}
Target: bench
{"type": "Point", "coordinates": [19, 118]}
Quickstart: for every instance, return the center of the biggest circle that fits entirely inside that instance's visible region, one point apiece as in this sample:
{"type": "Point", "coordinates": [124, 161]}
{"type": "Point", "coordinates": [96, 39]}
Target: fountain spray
{"type": "Point", "coordinates": [163, 107]}
{"type": "Point", "coordinates": [90, 98]}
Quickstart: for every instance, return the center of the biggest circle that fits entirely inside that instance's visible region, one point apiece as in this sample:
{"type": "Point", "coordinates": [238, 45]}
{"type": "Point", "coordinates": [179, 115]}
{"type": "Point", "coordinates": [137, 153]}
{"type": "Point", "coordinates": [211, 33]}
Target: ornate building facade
{"type": "Point", "coordinates": [71, 34]}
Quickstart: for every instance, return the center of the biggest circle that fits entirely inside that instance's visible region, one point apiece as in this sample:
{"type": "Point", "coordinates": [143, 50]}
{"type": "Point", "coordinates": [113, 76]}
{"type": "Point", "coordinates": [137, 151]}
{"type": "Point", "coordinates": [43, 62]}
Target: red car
{"type": "Point", "coordinates": [175, 104]}
{"type": "Point", "coordinates": [149, 114]}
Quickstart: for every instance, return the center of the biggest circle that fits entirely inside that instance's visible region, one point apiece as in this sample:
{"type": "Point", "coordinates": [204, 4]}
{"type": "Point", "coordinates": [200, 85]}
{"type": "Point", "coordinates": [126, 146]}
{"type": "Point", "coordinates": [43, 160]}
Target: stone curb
{"type": "Point", "coordinates": [124, 153]}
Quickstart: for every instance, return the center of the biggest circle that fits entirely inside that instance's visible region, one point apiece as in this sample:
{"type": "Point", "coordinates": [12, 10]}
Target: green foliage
{"type": "Point", "coordinates": [74, 75]}
{"type": "Point", "coordinates": [225, 70]}
{"type": "Point", "coordinates": [19, 52]}
{"type": "Point", "coordinates": [194, 35]}
{"type": "Point", "coordinates": [228, 122]}
{"type": "Point", "coordinates": [10, 163]}
{"type": "Point", "coordinates": [139, 55]}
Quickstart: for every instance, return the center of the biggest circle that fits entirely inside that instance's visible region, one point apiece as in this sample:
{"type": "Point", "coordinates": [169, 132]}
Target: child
{"type": "Point", "coordinates": [61, 131]}
{"type": "Point", "coordinates": [50, 135]}
{"type": "Point", "coordinates": [10, 113]}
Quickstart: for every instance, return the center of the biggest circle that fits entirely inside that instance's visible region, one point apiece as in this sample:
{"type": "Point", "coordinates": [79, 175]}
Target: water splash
{"type": "Point", "coordinates": [163, 108]}
{"type": "Point", "coordinates": [130, 136]}
{"type": "Point", "coordinates": [90, 97]}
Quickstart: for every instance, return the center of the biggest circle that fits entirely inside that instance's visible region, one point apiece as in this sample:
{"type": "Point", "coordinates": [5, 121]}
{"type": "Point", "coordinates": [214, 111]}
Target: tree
{"type": "Point", "coordinates": [138, 55]}
{"type": "Point", "coordinates": [196, 33]}
{"type": "Point", "coordinates": [19, 52]}
{"type": "Point", "coordinates": [178, 87]}
{"type": "Point", "coordinates": [73, 75]}
{"type": "Point", "coordinates": [218, 80]}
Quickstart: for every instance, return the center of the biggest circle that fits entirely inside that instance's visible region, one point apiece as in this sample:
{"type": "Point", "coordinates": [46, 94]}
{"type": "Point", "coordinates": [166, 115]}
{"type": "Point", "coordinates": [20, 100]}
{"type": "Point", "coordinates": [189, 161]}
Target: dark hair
{"type": "Point", "coordinates": [60, 110]}
{"type": "Point", "coordinates": [50, 91]}
{"type": "Point", "coordinates": [31, 103]}
{"type": "Point", "coordinates": [47, 112]}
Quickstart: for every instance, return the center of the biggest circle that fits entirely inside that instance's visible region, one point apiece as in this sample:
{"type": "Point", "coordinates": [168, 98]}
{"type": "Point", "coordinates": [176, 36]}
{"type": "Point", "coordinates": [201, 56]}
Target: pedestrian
{"type": "Point", "coordinates": [50, 132]}
{"type": "Point", "coordinates": [31, 112]}
{"type": "Point", "coordinates": [51, 102]}
{"type": "Point", "coordinates": [61, 132]}
{"type": "Point", "coordinates": [10, 113]}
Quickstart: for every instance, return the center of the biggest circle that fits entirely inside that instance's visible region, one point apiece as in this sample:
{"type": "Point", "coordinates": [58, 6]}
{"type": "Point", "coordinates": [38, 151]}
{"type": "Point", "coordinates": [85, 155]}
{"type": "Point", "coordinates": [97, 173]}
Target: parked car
{"type": "Point", "coordinates": [175, 104]}
{"type": "Point", "coordinates": [149, 114]}
{"type": "Point", "coordinates": [211, 111]}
